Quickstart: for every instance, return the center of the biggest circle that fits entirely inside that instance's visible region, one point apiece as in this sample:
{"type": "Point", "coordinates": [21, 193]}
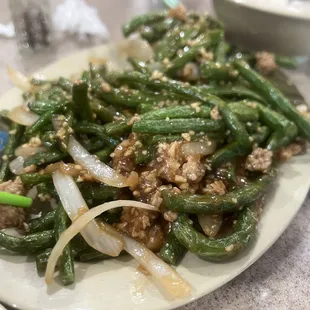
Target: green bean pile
{"type": "Point", "coordinates": [196, 88]}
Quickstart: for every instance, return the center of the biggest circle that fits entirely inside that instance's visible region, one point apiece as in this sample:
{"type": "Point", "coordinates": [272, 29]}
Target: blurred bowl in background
{"type": "Point", "coordinates": [280, 26]}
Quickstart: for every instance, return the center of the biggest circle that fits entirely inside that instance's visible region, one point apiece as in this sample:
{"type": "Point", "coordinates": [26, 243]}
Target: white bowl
{"type": "Point", "coordinates": [273, 25]}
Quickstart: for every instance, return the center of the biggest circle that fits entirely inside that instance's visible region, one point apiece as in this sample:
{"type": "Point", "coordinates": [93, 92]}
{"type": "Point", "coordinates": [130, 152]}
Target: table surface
{"type": "Point", "coordinates": [279, 280]}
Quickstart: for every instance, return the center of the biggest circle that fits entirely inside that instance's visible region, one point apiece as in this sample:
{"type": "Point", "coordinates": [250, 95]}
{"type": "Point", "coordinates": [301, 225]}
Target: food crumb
{"type": "Point", "coordinates": [229, 248]}
{"type": "Point", "coordinates": [259, 160]}
{"type": "Point", "coordinates": [265, 62]}
{"type": "Point", "coordinates": [215, 114]}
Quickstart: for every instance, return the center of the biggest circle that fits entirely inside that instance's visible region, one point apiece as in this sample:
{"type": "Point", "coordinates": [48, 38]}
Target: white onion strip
{"type": "Point", "coordinates": [96, 168]}
{"type": "Point", "coordinates": [17, 165]}
{"type": "Point", "coordinates": [162, 272]}
{"type": "Point", "coordinates": [18, 79]}
{"type": "Point", "coordinates": [20, 116]}
{"type": "Point", "coordinates": [198, 148]}
{"type": "Point", "coordinates": [27, 151]}
{"type": "Point", "coordinates": [74, 204]}
{"type": "Point", "coordinates": [78, 225]}
{"type": "Point", "coordinates": [167, 277]}
{"type": "Point", "coordinates": [210, 224]}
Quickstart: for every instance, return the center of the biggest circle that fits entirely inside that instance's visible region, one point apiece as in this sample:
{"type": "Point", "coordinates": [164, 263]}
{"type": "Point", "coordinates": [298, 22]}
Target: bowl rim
{"type": "Point", "coordinates": [277, 10]}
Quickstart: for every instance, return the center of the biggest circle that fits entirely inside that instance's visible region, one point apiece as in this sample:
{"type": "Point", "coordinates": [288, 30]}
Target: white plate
{"type": "Point", "coordinates": [115, 284]}
{"type": "Point", "coordinates": [298, 9]}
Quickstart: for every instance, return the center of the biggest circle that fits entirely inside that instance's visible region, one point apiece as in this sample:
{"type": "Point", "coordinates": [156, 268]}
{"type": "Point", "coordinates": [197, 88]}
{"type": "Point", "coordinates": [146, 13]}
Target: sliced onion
{"type": "Point", "coordinates": [170, 280]}
{"type": "Point", "coordinates": [210, 224]}
{"type": "Point", "coordinates": [198, 148]}
{"type": "Point", "coordinates": [163, 273]}
{"type": "Point", "coordinates": [85, 223]}
{"type": "Point", "coordinates": [74, 204]}
{"type": "Point", "coordinates": [96, 168]}
{"type": "Point", "coordinates": [137, 48]}
{"type": "Point", "coordinates": [27, 151]}
{"type": "Point", "coordinates": [20, 116]}
{"type": "Point", "coordinates": [17, 165]}
{"type": "Point", "coordinates": [18, 79]}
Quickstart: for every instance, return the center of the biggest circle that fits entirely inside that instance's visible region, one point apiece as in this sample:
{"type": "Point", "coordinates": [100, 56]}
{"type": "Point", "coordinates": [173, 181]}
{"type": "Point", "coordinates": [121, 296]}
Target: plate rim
{"type": "Point", "coordinates": [292, 14]}
{"type": "Point", "coordinates": [180, 302]}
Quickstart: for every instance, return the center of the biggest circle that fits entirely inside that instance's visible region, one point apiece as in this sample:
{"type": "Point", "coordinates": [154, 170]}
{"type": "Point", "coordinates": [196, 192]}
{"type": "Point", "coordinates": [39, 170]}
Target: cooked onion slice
{"type": "Point", "coordinates": [210, 224]}
{"type": "Point", "coordinates": [164, 274]}
{"type": "Point", "coordinates": [27, 151]}
{"type": "Point", "coordinates": [74, 204]}
{"type": "Point", "coordinates": [17, 165]}
{"type": "Point", "coordinates": [18, 79]}
{"type": "Point", "coordinates": [20, 116]}
{"type": "Point", "coordinates": [167, 277]}
{"type": "Point", "coordinates": [79, 225]}
{"type": "Point", "coordinates": [198, 148]}
{"type": "Point", "coordinates": [96, 168]}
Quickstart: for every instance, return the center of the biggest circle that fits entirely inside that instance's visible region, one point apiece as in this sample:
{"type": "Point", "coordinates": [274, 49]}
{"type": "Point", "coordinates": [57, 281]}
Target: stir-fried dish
{"type": "Point", "coordinates": [173, 155]}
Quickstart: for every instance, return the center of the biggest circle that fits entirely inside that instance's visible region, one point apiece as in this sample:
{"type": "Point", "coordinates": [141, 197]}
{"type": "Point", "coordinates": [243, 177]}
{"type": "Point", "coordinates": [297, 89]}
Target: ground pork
{"type": "Point", "coordinates": [123, 159]}
{"type": "Point", "coordinates": [265, 62]}
{"type": "Point", "coordinates": [172, 166]}
{"type": "Point", "coordinates": [216, 187]}
{"type": "Point", "coordinates": [190, 72]}
{"type": "Point", "coordinates": [295, 148]}
{"type": "Point", "coordinates": [215, 114]}
{"type": "Point", "coordinates": [178, 12]}
{"type": "Point", "coordinates": [141, 225]}
{"type": "Point", "coordinates": [12, 216]}
{"type": "Point", "coordinates": [259, 160]}
{"type": "Point", "coordinates": [170, 216]}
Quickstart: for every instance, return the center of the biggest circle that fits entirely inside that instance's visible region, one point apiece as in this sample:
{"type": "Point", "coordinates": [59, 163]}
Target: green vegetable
{"type": "Point", "coordinates": [139, 65]}
{"type": "Point", "coordinates": [218, 204]}
{"type": "Point", "coordinates": [43, 158]}
{"type": "Point", "coordinates": [117, 128]}
{"type": "Point", "coordinates": [15, 200]}
{"type": "Point", "coordinates": [236, 91]}
{"type": "Point", "coordinates": [41, 106]}
{"type": "Point", "coordinates": [42, 259]}
{"type": "Point", "coordinates": [90, 255]}
{"type": "Point", "coordinates": [45, 118]}
{"type": "Point", "coordinates": [47, 188]}
{"type": "Point", "coordinates": [286, 62]}
{"type": "Point", "coordinates": [274, 97]}
{"type": "Point", "coordinates": [100, 192]}
{"type": "Point", "coordinates": [243, 112]}
{"type": "Point", "coordinates": [32, 243]}
{"type": "Point", "coordinates": [172, 251]}
{"type": "Point", "coordinates": [178, 112]}
{"type": "Point", "coordinates": [241, 144]}
{"type": "Point", "coordinates": [98, 130]}
{"type": "Point", "coordinates": [177, 126]}
{"type": "Point", "coordinates": [65, 84]}
{"type": "Point", "coordinates": [221, 51]}
{"type": "Point", "coordinates": [217, 249]}
{"type": "Point", "coordinates": [35, 178]}
{"type": "Point", "coordinates": [179, 62]}
{"type": "Point", "coordinates": [177, 38]}
{"type": "Point", "coordinates": [104, 154]}
{"type": "Point", "coordinates": [142, 20]}
{"type": "Point", "coordinates": [284, 130]}
{"type": "Point", "coordinates": [104, 113]}
{"type": "Point", "coordinates": [215, 71]}
{"type": "Point", "coordinates": [66, 264]}
{"type": "Point", "coordinates": [45, 222]}
{"type": "Point", "coordinates": [80, 101]}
